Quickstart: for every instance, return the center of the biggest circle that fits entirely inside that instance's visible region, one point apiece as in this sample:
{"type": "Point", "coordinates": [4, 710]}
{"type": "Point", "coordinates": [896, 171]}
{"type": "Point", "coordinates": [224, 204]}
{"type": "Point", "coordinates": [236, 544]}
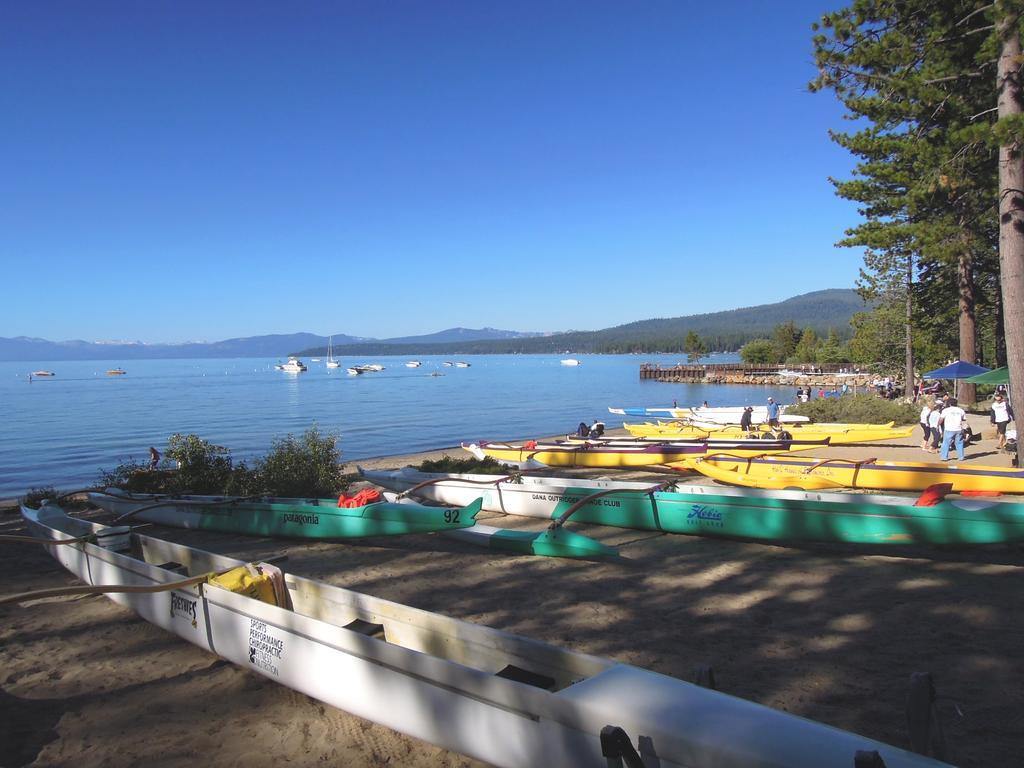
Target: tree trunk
{"type": "Point", "coordinates": [1000, 334]}
{"type": "Point", "coordinates": [1011, 207]}
{"type": "Point", "coordinates": [910, 382]}
{"type": "Point", "coordinates": [968, 334]}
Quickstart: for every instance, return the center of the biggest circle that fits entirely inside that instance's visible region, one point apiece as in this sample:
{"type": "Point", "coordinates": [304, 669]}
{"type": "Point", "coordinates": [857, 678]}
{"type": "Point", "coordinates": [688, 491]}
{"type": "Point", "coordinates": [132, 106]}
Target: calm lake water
{"type": "Point", "coordinates": [63, 430]}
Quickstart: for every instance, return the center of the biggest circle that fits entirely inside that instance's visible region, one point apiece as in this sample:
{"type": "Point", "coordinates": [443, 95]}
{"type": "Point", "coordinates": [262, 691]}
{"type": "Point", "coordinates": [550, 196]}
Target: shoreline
{"type": "Point", "coordinates": [828, 632]}
{"type": "Point", "coordinates": [902, 449]}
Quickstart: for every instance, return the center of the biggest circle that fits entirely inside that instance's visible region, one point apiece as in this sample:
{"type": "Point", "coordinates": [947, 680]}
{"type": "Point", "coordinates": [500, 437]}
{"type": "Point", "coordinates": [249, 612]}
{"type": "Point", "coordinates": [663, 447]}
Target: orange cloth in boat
{"type": "Point", "coordinates": [360, 499]}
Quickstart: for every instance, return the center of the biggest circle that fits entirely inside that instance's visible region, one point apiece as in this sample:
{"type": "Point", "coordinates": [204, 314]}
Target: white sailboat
{"type": "Point", "coordinates": [331, 362]}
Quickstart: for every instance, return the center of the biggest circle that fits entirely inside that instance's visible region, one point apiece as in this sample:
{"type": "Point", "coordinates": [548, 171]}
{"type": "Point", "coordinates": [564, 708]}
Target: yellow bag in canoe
{"type": "Point", "coordinates": [256, 581]}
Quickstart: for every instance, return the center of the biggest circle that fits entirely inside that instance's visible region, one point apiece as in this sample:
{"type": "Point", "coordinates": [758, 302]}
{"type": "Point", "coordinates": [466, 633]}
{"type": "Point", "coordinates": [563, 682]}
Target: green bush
{"type": "Point", "coordinates": [302, 467]}
{"type": "Point", "coordinates": [307, 466]}
{"type": "Point", "coordinates": [132, 476]}
{"type": "Point", "coordinates": [203, 468]}
{"type": "Point", "coordinates": [449, 465]}
{"type": "Point", "coordinates": [861, 409]}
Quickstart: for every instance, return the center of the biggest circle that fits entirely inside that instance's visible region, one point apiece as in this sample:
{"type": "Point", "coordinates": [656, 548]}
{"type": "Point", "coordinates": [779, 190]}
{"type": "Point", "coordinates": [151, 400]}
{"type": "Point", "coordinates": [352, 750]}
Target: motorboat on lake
{"type": "Point", "coordinates": [294, 365]}
{"type": "Point", "coordinates": [570, 361]}
{"type": "Point", "coordinates": [413, 364]}
{"type": "Point", "coordinates": [116, 372]}
{"type": "Point", "coordinates": [43, 374]}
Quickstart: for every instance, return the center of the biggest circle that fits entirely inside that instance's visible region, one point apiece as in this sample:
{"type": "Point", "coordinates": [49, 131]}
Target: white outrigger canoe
{"type": "Point", "coordinates": [494, 696]}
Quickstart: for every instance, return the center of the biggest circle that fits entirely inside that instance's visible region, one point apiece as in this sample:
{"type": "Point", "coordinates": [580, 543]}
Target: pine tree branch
{"type": "Point", "coordinates": [975, 12]}
{"type": "Point", "coordinates": [975, 73]}
{"type": "Point", "coordinates": [974, 31]}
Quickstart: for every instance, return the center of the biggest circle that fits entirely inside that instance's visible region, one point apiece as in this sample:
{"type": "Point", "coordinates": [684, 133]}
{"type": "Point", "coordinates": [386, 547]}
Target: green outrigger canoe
{"type": "Point", "coordinates": [705, 510]}
{"type": "Point", "coordinates": [294, 518]}
{"type": "Point", "coordinates": [322, 519]}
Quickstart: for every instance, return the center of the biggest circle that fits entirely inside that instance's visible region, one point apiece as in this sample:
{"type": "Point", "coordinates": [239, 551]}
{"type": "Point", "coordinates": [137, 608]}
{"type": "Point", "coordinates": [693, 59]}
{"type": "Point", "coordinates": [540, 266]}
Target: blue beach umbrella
{"type": "Point", "coordinates": [956, 371]}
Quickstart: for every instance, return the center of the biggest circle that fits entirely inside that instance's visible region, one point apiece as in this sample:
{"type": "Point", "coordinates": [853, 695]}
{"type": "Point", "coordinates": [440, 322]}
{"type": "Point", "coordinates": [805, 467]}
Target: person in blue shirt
{"type": "Point", "coordinates": [773, 413]}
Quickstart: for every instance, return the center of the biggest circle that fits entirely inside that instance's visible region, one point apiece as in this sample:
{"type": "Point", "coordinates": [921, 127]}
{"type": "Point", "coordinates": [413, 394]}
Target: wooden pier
{"type": "Point", "coordinates": [762, 373]}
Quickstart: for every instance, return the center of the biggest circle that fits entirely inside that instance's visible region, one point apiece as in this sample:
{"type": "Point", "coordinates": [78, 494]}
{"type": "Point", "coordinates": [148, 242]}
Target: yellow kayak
{"type": "Point", "coordinates": [585, 455]}
{"type": "Point", "coordinates": [808, 473]}
{"type": "Point", "coordinates": [609, 454]}
{"type": "Point", "coordinates": [838, 433]}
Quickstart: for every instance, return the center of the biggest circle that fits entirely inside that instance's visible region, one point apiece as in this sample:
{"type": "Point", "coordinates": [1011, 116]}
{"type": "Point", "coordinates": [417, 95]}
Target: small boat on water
{"type": "Point", "coordinates": [811, 473]}
{"type": "Point", "coordinates": [499, 698]}
{"type": "Point", "coordinates": [294, 365]}
{"type": "Point", "coordinates": [413, 364]}
{"type": "Point", "coordinates": [461, 364]}
{"type": "Point", "coordinates": [116, 372]}
{"type": "Point", "coordinates": [711, 510]}
{"type": "Point", "coordinates": [295, 518]}
{"type": "Point", "coordinates": [43, 374]}
{"type": "Point", "coordinates": [448, 363]}
{"type": "Point", "coordinates": [570, 361]}
{"type": "Point", "coordinates": [353, 371]}
{"type": "Point", "coordinates": [331, 362]}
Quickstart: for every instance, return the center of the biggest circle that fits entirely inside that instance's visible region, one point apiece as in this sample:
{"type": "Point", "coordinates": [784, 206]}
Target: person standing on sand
{"type": "Point", "coordinates": [926, 411]}
{"type": "Point", "coordinates": [746, 418]}
{"type": "Point", "coordinates": [952, 419]}
{"type": "Point", "coordinates": [933, 426]}
{"type": "Point", "coordinates": [773, 413]}
{"type": "Point", "coordinates": [1002, 414]}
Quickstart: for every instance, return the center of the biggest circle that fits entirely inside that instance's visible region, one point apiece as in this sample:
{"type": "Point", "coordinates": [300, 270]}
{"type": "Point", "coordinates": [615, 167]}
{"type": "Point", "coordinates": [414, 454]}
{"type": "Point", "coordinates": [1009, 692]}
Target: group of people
{"type": "Point", "coordinates": [805, 395]}
{"type": "Point", "coordinates": [944, 424]}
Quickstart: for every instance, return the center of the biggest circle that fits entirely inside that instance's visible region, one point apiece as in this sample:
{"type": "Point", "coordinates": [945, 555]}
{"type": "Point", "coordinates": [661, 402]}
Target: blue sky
{"type": "Point", "coordinates": [204, 171]}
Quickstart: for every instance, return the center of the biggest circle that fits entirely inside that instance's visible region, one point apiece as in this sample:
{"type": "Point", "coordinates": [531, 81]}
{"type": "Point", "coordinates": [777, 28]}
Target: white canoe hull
{"type": "Point", "coordinates": [458, 701]}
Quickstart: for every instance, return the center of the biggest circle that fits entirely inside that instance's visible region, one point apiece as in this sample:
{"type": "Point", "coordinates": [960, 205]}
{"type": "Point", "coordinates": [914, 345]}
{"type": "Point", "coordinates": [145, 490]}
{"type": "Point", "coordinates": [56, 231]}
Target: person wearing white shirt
{"type": "Point", "coordinates": [1002, 414]}
{"type": "Point", "coordinates": [926, 411]}
{"type": "Point", "coordinates": [933, 423]}
{"type": "Point", "coordinates": [953, 417]}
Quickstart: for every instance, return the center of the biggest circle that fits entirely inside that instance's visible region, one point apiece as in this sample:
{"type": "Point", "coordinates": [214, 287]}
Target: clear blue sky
{"type": "Point", "coordinates": [182, 171]}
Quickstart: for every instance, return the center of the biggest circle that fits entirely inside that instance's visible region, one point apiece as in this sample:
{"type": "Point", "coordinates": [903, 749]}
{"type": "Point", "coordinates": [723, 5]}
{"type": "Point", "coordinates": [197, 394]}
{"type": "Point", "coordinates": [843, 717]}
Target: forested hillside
{"type": "Point", "coordinates": [728, 330]}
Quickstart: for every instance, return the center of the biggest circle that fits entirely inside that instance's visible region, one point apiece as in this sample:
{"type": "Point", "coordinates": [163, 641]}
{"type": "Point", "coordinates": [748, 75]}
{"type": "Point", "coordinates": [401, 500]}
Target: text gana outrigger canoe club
{"type": "Point", "coordinates": [575, 499]}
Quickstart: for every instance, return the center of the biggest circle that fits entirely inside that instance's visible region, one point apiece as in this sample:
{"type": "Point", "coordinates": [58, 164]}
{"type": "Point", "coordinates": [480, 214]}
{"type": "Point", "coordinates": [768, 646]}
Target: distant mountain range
{"type": "Point", "coordinates": [275, 345]}
{"type": "Point", "coordinates": [728, 330]}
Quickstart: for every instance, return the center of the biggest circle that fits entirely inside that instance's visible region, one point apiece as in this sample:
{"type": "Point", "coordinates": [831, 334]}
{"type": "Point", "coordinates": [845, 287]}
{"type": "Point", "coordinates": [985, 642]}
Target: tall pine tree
{"type": "Point", "coordinates": [914, 72]}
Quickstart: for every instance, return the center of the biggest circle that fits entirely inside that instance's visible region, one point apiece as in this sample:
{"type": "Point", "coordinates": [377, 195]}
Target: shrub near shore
{"type": "Point", "coordinates": [857, 409]}
{"type": "Point", "coordinates": [306, 466]}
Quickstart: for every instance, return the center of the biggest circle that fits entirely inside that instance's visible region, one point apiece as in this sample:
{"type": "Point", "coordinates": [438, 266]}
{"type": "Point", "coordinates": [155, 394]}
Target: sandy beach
{"type": "Point", "coordinates": [828, 632]}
